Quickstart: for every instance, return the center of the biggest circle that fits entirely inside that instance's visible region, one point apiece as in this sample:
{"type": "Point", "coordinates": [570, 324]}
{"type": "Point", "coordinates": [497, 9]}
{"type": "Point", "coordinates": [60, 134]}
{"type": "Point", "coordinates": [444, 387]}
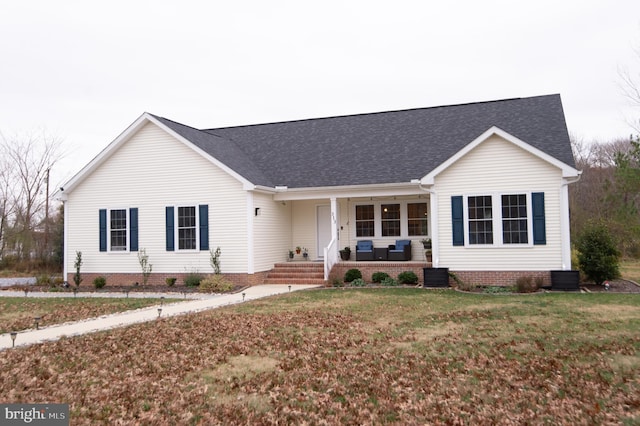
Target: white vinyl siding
{"type": "Point", "coordinates": [271, 231]}
{"type": "Point", "coordinates": [153, 170]}
{"type": "Point", "coordinates": [497, 166]}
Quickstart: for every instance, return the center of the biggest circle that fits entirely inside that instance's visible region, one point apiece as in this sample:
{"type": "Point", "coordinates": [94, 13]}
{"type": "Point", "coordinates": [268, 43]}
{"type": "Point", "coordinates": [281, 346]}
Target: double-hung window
{"type": "Point", "coordinates": [188, 226]}
{"type": "Point", "coordinates": [480, 219]}
{"type": "Point", "coordinates": [417, 219]}
{"type": "Point", "coordinates": [365, 221]}
{"type": "Point", "coordinates": [118, 229]}
{"type": "Point", "coordinates": [187, 237]}
{"type": "Point", "coordinates": [390, 220]}
{"type": "Point", "coordinates": [498, 219]}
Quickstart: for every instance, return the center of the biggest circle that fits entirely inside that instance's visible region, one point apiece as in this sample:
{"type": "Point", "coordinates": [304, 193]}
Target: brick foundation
{"type": "Point", "coordinates": [500, 278]}
{"type": "Point", "coordinates": [159, 279]}
{"type": "Point", "coordinates": [481, 278]}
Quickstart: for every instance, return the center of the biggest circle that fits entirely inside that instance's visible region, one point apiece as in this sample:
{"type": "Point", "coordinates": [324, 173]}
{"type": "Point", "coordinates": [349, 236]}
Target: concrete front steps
{"type": "Point", "coordinates": [296, 273]}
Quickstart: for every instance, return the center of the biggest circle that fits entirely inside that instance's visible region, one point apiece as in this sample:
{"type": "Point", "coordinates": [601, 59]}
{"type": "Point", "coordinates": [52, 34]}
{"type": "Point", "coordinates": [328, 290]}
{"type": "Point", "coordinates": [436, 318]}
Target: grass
{"type": "Point", "coordinates": [18, 313]}
{"type": "Point", "coordinates": [630, 269]}
{"type": "Point", "coordinates": [397, 356]}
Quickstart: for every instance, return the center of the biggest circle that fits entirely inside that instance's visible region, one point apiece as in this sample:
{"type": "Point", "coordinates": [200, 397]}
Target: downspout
{"type": "Point", "coordinates": [565, 222]}
{"type": "Point", "coordinates": [250, 234]}
{"type": "Point", "coordinates": [65, 240]}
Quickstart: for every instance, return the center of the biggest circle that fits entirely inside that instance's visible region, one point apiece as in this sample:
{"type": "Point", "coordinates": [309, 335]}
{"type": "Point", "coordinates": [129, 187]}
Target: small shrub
{"type": "Point", "coordinates": [461, 284]}
{"type": "Point", "coordinates": [337, 283]}
{"type": "Point", "coordinates": [43, 279]}
{"type": "Point", "coordinates": [171, 281]}
{"type": "Point", "coordinates": [597, 254]}
{"type": "Point", "coordinates": [389, 282]}
{"type": "Point", "coordinates": [495, 289]}
{"type": "Point", "coordinates": [216, 283]}
{"type": "Point", "coordinates": [527, 284]}
{"type": "Point", "coordinates": [352, 274]}
{"type": "Point", "coordinates": [407, 277]}
{"type": "Point", "coordinates": [99, 282]}
{"type": "Point", "coordinates": [358, 282]}
{"type": "Point", "coordinates": [193, 279]}
{"type": "Point", "coordinates": [377, 277]}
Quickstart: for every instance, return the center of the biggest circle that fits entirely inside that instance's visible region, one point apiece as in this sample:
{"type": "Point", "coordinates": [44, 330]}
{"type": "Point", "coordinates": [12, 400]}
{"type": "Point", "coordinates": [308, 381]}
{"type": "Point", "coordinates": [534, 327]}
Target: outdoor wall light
{"type": "Point", "coordinates": [13, 338]}
{"type": "Point", "coordinates": [257, 211]}
{"type": "Point", "coordinates": [159, 312]}
{"type": "Point", "coordinates": [37, 320]}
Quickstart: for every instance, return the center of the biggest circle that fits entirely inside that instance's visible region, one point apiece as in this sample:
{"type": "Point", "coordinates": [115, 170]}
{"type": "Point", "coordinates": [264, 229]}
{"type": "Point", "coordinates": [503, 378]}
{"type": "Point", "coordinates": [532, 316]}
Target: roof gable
{"type": "Point", "coordinates": [567, 171]}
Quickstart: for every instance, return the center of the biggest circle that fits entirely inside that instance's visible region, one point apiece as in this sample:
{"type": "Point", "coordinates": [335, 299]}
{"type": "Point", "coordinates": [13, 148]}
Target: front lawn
{"type": "Point", "coordinates": [18, 313]}
{"type": "Point", "coordinates": [398, 356]}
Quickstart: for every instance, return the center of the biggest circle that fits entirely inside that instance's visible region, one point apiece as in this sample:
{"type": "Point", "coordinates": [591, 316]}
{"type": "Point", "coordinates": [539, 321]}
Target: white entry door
{"type": "Point", "coordinates": [323, 220]}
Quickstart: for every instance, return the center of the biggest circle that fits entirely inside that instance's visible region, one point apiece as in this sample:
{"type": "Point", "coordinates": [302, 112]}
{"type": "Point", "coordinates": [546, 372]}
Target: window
{"type": "Point", "coordinates": [390, 214]}
{"type": "Point", "coordinates": [480, 220]}
{"type": "Point", "coordinates": [187, 228]}
{"type": "Point", "coordinates": [514, 219]}
{"type": "Point", "coordinates": [498, 219]}
{"type": "Point", "coordinates": [417, 219]}
{"type": "Point", "coordinates": [189, 225]}
{"type": "Point", "coordinates": [118, 230]}
{"type": "Point", "coordinates": [365, 222]}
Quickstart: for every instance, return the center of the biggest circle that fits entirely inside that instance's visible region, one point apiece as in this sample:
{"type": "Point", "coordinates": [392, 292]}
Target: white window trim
{"type": "Point", "coordinates": [404, 220]}
{"type": "Point", "coordinates": [127, 230]}
{"type": "Point", "coordinates": [496, 204]}
{"type": "Point", "coordinates": [177, 231]}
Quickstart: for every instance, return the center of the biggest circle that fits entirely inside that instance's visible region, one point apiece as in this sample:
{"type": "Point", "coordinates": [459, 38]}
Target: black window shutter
{"type": "Point", "coordinates": [204, 227]}
{"type": "Point", "coordinates": [457, 220]}
{"type": "Point", "coordinates": [539, 224]}
{"type": "Point", "coordinates": [170, 228]}
{"type": "Point", "coordinates": [133, 229]}
{"type": "Point", "coordinates": [103, 229]}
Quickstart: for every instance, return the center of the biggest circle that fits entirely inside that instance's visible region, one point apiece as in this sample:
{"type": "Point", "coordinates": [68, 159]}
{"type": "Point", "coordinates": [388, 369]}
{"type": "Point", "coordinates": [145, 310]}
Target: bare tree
{"type": "Point", "coordinates": [630, 86]}
{"type": "Point", "coordinates": [28, 162]}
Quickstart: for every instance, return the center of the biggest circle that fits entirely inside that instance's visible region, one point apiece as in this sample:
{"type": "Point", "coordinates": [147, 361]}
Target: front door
{"type": "Point", "coordinates": [323, 220]}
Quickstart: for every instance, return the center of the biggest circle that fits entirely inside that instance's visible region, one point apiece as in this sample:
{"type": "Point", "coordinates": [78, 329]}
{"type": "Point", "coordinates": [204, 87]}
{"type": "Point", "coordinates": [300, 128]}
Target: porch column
{"type": "Point", "coordinates": [435, 236]}
{"type": "Point", "coordinates": [334, 222]}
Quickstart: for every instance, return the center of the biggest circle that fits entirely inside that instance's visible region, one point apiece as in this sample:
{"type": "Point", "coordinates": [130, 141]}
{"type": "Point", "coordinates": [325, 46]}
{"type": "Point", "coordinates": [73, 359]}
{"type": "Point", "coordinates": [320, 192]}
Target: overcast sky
{"type": "Point", "coordinates": [85, 70]}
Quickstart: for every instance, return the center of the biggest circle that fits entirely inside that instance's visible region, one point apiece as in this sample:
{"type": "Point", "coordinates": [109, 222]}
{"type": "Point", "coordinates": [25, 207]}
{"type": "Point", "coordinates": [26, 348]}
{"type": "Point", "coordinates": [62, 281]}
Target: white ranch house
{"type": "Point", "coordinates": [487, 182]}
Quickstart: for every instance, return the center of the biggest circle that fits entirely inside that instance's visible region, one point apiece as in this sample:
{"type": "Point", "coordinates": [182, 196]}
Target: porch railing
{"type": "Point", "coordinates": [330, 257]}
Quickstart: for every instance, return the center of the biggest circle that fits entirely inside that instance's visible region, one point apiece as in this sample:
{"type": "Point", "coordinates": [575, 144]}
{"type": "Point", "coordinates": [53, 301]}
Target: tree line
{"type": "Point", "coordinates": [30, 226]}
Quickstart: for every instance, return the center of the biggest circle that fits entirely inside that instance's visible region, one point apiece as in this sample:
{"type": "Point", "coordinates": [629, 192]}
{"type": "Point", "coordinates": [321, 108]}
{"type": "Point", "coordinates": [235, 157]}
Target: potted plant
{"type": "Point", "coordinates": [305, 253]}
{"type": "Point", "coordinates": [298, 250]}
{"type": "Point", "coordinates": [290, 254]}
{"type": "Point", "coordinates": [345, 253]}
{"type": "Point", "coordinates": [426, 243]}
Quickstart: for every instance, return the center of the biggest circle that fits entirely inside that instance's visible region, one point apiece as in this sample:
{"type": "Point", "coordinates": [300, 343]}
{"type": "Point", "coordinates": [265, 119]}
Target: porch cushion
{"type": "Point", "coordinates": [364, 245]}
{"type": "Point", "coordinates": [399, 245]}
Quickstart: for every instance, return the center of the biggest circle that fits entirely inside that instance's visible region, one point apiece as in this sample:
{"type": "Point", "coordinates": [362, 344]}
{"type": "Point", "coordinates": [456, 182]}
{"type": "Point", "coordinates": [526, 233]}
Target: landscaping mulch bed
{"type": "Point", "coordinates": [615, 286]}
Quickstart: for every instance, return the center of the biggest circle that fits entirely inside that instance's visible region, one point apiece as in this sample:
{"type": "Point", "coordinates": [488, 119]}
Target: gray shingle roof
{"type": "Point", "coordinates": [376, 148]}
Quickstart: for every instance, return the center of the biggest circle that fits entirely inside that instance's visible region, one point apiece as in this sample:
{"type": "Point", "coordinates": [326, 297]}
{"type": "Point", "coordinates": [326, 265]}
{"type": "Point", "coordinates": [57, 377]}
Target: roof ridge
{"type": "Point", "coordinates": [210, 130]}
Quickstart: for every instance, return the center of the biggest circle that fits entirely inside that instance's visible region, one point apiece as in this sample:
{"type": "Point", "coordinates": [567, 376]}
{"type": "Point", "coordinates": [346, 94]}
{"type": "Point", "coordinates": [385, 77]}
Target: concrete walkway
{"type": "Point", "coordinates": [106, 322]}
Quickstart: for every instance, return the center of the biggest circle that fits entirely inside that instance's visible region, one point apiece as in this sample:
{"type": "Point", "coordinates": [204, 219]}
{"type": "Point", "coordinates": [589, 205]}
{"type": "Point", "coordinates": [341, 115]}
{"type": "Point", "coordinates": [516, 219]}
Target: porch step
{"type": "Point", "coordinates": [296, 273]}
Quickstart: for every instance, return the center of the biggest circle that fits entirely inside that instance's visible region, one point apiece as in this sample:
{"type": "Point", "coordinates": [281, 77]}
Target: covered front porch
{"type": "Point", "coordinates": [325, 222]}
